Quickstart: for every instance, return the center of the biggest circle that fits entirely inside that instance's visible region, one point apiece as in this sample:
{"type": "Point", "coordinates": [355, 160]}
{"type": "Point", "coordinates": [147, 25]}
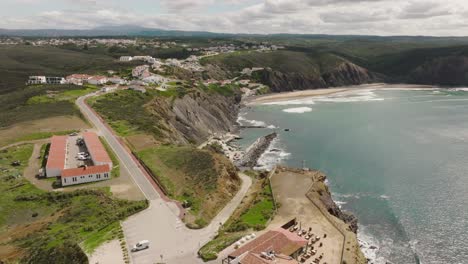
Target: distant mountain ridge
{"type": "Point", "coordinates": [133, 30]}
{"type": "Point", "coordinates": [124, 30]}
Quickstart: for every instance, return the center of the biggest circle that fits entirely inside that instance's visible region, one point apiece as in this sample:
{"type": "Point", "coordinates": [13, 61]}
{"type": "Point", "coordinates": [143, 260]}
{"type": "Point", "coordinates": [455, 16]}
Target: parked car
{"type": "Point", "coordinates": [144, 244]}
{"type": "Point", "coordinates": [74, 134]}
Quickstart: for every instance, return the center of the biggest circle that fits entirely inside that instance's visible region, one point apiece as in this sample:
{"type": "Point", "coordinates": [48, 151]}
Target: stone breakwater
{"type": "Point", "coordinates": [253, 153]}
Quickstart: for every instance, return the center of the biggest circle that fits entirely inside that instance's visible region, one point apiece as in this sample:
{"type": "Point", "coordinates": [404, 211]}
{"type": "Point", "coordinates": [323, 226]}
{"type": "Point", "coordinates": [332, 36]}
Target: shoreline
{"type": "Point", "coordinates": [287, 96]}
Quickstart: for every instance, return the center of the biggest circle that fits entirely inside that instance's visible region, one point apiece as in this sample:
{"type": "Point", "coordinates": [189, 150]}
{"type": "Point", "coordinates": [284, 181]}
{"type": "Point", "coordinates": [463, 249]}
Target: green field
{"type": "Point", "coordinates": [45, 223]}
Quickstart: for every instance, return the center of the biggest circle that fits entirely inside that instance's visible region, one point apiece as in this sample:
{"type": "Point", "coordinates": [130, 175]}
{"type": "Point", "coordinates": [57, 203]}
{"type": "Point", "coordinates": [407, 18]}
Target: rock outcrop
{"type": "Point", "coordinates": [253, 153]}
{"type": "Point", "coordinates": [344, 74]}
{"type": "Point", "coordinates": [194, 117]}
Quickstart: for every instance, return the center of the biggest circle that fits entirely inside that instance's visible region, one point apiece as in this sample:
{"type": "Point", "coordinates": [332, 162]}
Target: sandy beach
{"type": "Point", "coordinates": [278, 97]}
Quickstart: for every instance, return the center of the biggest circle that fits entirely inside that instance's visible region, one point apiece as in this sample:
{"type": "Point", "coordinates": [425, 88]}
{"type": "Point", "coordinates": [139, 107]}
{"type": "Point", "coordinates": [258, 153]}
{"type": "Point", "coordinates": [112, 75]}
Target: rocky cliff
{"type": "Point", "coordinates": [450, 70]}
{"type": "Point", "coordinates": [195, 116]}
{"type": "Point", "coordinates": [345, 73]}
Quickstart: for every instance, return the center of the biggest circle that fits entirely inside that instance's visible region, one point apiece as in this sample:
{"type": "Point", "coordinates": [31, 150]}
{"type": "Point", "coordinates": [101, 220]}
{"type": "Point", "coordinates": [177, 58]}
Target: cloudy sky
{"type": "Point", "coordinates": [374, 17]}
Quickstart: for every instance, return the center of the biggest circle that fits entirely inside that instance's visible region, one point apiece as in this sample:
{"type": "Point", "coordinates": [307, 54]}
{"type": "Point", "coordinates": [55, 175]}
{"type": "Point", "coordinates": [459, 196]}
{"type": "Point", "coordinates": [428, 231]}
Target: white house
{"type": "Point", "coordinates": [97, 80]}
{"type": "Point", "coordinates": [36, 80]}
{"type": "Point", "coordinates": [78, 79]}
{"type": "Point", "coordinates": [55, 80]}
{"type": "Point", "coordinates": [126, 58]}
{"type": "Point", "coordinates": [153, 79]}
{"type": "Point", "coordinates": [140, 70]}
{"type": "Point", "coordinates": [85, 174]}
{"type": "Point", "coordinates": [116, 80]}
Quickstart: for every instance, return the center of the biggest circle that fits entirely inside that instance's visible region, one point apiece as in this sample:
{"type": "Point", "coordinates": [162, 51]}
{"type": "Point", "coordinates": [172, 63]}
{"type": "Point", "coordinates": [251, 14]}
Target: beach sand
{"type": "Point", "coordinates": [278, 97]}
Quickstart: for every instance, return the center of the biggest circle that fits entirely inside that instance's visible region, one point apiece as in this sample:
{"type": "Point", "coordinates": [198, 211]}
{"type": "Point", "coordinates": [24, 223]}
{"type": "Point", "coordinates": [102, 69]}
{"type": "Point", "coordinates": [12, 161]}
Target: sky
{"type": "Point", "coordinates": [363, 17]}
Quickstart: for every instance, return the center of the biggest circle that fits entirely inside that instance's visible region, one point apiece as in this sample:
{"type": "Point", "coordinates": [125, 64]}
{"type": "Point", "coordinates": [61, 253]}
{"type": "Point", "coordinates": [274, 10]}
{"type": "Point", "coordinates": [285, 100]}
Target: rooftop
{"type": "Point", "coordinates": [58, 148]}
{"type": "Point", "coordinates": [95, 147]}
{"type": "Point", "coordinates": [85, 170]}
{"type": "Point", "coordinates": [280, 241]}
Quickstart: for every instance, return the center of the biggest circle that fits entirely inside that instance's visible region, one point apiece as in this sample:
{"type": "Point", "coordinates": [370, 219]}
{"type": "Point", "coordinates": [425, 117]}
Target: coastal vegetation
{"type": "Point", "coordinates": [201, 180]}
{"type": "Point", "coordinates": [253, 214]}
{"type": "Point", "coordinates": [36, 225]}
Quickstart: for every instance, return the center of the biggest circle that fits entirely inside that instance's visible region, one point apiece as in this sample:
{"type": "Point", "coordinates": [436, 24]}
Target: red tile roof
{"type": "Point", "coordinates": [85, 170]}
{"type": "Point", "coordinates": [78, 76]}
{"type": "Point", "coordinates": [57, 152]}
{"type": "Point", "coordinates": [95, 148]}
{"type": "Point", "coordinates": [279, 240]}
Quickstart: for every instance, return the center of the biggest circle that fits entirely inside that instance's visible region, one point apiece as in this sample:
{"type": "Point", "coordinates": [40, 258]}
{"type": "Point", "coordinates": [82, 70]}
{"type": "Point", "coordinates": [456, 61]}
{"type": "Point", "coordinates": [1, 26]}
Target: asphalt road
{"type": "Point", "coordinates": [170, 240]}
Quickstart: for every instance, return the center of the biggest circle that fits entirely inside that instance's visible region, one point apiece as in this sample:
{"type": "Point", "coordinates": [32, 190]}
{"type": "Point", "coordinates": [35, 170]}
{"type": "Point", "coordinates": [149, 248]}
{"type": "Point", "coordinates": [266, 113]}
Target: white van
{"type": "Point", "coordinates": [144, 244]}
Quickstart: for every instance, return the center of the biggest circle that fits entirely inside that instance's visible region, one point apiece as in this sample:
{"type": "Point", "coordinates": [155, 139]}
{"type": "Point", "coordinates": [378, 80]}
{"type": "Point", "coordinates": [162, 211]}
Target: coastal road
{"type": "Point", "coordinates": [170, 240]}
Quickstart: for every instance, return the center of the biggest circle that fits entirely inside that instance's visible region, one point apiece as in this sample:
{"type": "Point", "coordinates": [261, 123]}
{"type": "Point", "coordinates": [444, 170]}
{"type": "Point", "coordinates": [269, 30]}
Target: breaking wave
{"type": "Point", "coordinates": [298, 110]}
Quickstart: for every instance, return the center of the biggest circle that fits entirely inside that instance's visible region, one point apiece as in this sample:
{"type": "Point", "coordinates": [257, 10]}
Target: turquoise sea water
{"type": "Point", "coordinates": [397, 159]}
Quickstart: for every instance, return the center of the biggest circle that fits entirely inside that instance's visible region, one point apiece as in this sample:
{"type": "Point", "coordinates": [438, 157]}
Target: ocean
{"type": "Point", "coordinates": [396, 158]}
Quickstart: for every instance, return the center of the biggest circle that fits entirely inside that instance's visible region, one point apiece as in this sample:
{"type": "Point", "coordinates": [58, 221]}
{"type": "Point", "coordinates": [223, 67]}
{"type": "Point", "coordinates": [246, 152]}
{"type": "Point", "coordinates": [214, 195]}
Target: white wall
{"type": "Point", "coordinates": [66, 181]}
{"type": "Point", "coordinates": [53, 172]}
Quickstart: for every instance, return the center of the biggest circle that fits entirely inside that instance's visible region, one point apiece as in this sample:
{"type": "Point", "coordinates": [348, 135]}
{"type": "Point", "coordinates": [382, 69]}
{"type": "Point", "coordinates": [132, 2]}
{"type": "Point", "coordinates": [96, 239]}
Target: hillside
{"type": "Point", "coordinates": [19, 62]}
{"type": "Point", "coordinates": [297, 69]}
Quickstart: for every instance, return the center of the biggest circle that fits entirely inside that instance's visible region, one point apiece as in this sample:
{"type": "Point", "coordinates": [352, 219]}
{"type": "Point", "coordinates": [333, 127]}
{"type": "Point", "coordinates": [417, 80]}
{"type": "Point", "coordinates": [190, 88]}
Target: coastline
{"type": "Point", "coordinates": [281, 97]}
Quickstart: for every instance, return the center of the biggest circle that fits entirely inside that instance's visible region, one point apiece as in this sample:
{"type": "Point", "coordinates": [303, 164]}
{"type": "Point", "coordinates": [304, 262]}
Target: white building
{"type": "Point", "coordinates": [37, 80]}
{"type": "Point", "coordinates": [107, 89]}
{"type": "Point", "coordinates": [78, 79]}
{"type": "Point", "coordinates": [57, 154]}
{"type": "Point", "coordinates": [116, 80]}
{"type": "Point", "coordinates": [153, 79]}
{"type": "Point", "coordinates": [85, 174]}
{"type": "Point", "coordinates": [140, 70]}
{"type": "Point", "coordinates": [97, 80]}
{"type": "Point", "coordinates": [126, 58]}
{"type": "Point", "coordinates": [96, 150]}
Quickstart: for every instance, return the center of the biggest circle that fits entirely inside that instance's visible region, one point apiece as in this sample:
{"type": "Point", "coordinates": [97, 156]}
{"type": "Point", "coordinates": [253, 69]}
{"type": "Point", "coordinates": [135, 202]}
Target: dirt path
{"type": "Point", "coordinates": [33, 168]}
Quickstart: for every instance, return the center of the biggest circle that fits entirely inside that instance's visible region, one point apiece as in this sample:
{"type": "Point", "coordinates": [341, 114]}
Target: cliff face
{"type": "Point", "coordinates": [451, 70]}
{"type": "Point", "coordinates": [344, 74]}
{"type": "Point", "coordinates": [195, 116]}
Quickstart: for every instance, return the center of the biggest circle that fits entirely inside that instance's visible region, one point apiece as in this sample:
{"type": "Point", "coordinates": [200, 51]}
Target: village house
{"type": "Point", "coordinates": [85, 174]}
{"type": "Point", "coordinates": [107, 89]}
{"type": "Point", "coordinates": [37, 80]}
{"type": "Point", "coordinates": [97, 80]}
{"type": "Point", "coordinates": [78, 79]}
{"type": "Point", "coordinates": [140, 70]}
{"type": "Point", "coordinates": [153, 79]}
{"type": "Point", "coordinates": [45, 80]}
{"type": "Point", "coordinates": [126, 58]}
{"type": "Point", "coordinates": [116, 80]}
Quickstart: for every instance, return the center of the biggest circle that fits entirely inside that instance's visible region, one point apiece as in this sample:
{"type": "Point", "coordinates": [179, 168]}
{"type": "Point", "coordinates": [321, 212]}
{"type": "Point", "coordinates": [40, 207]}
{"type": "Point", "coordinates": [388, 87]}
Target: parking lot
{"type": "Point", "coordinates": [73, 149]}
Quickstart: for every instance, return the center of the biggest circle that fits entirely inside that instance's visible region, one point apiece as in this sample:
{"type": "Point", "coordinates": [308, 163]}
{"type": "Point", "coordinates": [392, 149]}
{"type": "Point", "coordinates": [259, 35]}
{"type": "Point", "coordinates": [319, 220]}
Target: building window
{"type": "Point", "coordinates": [106, 175]}
{"type": "Point", "coordinates": [65, 180]}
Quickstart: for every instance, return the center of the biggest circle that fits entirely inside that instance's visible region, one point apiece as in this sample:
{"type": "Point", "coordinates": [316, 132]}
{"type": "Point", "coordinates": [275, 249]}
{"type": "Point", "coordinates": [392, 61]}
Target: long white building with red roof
{"type": "Point", "coordinates": [99, 170]}
{"type": "Point", "coordinates": [57, 155]}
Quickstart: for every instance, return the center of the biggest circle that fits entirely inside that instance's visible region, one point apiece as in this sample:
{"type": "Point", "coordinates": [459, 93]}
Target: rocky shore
{"type": "Point", "coordinates": [255, 151]}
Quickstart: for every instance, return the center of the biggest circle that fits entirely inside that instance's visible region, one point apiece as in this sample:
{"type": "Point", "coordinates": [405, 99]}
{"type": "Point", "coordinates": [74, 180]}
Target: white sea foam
{"type": "Point", "coordinates": [244, 121]}
{"type": "Point", "coordinates": [343, 97]}
{"type": "Point", "coordinates": [370, 246]}
{"type": "Point", "coordinates": [270, 158]}
{"type": "Point", "coordinates": [459, 89]}
{"type": "Point", "coordinates": [340, 203]}
{"type": "Point", "coordinates": [272, 127]}
{"type": "Point", "coordinates": [385, 197]}
{"type": "Point", "coordinates": [298, 110]}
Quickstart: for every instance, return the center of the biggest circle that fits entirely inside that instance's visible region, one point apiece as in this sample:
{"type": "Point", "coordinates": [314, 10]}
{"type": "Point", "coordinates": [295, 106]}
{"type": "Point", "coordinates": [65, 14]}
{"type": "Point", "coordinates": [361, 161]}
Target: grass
{"type": "Point", "coordinates": [195, 177]}
{"type": "Point", "coordinates": [226, 90]}
{"type": "Point", "coordinates": [210, 250]}
{"type": "Point", "coordinates": [55, 219]}
{"type": "Point", "coordinates": [116, 169]}
{"type": "Point", "coordinates": [136, 117]}
{"type": "Point", "coordinates": [42, 135]}
{"type": "Point", "coordinates": [254, 212]}
{"type": "Point", "coordinates": [68, 95]}
{"type": "Point", "coordinates": [261, 212]}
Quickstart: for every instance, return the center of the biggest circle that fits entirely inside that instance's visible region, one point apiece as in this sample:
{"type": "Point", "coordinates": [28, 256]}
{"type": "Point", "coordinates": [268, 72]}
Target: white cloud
{"type": "Point", "coordinates": [383, 17]}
